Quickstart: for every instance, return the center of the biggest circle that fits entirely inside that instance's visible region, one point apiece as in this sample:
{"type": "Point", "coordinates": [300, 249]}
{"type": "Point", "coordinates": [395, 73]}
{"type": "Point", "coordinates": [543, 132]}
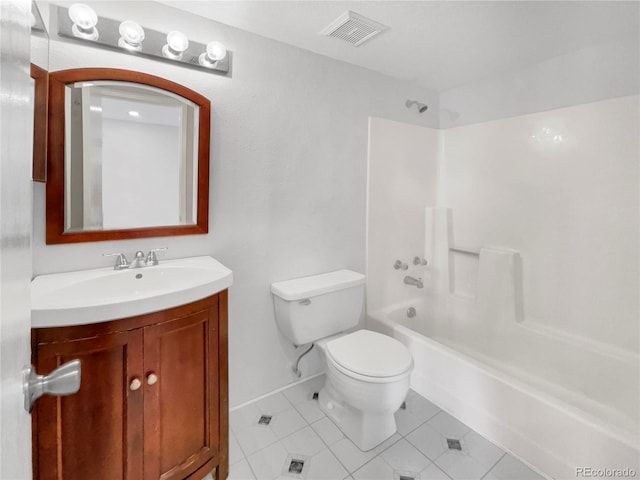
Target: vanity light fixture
{"type": "Point", "coordinates": [216, 51]}
{"type": "Point", "coordinates": [131, 35]}
{"type": "Point", "coordinates": [84, 20]}
{"type": "Point", "coordinates": [177, 43]}
{"type": "Point", "coordinates": [79, 22]}
{"type": "Point", "coordinates": [133, 113]}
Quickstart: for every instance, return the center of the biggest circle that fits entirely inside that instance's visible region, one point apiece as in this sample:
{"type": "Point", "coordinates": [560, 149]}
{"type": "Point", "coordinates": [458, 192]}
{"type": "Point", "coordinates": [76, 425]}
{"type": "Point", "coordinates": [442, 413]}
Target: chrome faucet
{"type": "Point", "coordinates": [416, 282]}
{"type": "Point", "coordinates": [138, 260]}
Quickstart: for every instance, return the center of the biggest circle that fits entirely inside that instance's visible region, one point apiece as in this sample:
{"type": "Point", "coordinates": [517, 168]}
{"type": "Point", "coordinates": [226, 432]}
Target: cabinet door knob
{"type": "Point", "coordinates": [135, 384]}
{"type": "Point", "coordinates": [152, 378]}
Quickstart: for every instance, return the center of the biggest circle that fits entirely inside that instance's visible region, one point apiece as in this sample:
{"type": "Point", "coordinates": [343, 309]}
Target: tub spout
{"type": "Point", "coordinates": [416, 282]}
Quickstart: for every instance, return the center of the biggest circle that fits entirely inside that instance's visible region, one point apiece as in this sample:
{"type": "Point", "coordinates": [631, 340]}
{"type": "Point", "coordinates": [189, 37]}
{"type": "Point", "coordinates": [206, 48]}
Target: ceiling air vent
{"type": "Point", "coordinates": [353, 28]}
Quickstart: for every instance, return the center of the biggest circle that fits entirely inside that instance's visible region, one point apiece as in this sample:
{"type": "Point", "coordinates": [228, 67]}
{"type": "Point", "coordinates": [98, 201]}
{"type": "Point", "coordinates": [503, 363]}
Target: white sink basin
{"type": "Point", "coordinates": [92, 296]}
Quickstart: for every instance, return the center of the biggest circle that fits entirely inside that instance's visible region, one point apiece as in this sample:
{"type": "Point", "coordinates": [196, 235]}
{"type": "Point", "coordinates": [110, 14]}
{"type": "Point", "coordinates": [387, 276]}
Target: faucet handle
{"type": "Point", "coordinates": [121, 261]}
{"type": "Point", "coordinates": [400, 265]}
{"type": "Point", "coordinates": [152, 258]}
{"type": "Point", "coordinates": [419, 261]}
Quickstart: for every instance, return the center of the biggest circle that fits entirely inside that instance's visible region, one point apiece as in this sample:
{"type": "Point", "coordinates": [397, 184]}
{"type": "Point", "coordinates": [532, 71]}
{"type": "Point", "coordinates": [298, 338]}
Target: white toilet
{"type": "Point", "coordinates": [367, 372]}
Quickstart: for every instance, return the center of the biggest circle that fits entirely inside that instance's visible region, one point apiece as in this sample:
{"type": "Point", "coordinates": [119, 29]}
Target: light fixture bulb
{"type": "Point", "coordinates": [215, 51]}
{"type": "Point", "coordinates": [84, 20]}
{"type": "Point", "coordinates": [133, 113]}
{"type": "Point", "coordinates": [131, 35]}
{"type": "Point", "coordinates": [177, 43]}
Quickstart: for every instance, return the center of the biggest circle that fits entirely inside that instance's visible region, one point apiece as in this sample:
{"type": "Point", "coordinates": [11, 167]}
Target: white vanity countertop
{"type": "Point", "coordinates": [91, 296]}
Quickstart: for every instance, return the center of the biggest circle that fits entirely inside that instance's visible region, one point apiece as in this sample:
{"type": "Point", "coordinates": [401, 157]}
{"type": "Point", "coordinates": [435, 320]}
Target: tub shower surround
{"type": "Point", "coordinates": [522, 385]}
{"type": "Point", "coordinates": [516, 333]}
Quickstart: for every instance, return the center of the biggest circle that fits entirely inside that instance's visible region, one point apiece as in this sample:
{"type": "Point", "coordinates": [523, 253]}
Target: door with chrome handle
{"type": "Point", "coordinates": [64, 380]}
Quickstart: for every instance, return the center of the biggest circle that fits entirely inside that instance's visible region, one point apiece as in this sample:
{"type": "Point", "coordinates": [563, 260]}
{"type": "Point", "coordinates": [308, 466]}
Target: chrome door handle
{"type": "Point", "coordinates": [64, 380]}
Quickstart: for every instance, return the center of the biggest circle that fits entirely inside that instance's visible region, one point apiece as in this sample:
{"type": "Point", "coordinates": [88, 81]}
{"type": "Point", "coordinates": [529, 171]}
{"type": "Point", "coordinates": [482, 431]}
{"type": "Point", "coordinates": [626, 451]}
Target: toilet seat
{"type": "Point", "coordinates": [370, 356]}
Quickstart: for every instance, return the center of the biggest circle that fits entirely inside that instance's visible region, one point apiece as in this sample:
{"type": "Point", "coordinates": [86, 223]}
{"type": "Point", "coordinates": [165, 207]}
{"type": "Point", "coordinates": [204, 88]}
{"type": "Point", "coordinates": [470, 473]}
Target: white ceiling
{"type": "Point", "coordinates": [437, 44]}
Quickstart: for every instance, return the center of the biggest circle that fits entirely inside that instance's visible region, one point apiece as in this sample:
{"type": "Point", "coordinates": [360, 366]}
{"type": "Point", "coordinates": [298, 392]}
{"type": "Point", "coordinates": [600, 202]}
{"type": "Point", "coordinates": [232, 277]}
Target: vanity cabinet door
{"type": "Point", "coordinates": [182, 396]}
{"type": "Point", "coordinates": [153, 399]}
{"type": "Point", "coordinates": [96, 433]}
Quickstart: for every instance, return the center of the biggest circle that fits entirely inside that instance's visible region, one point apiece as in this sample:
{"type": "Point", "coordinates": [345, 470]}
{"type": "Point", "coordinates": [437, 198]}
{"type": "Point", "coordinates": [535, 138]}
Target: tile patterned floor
{"type": "Point", "coordinates": [300, 442]}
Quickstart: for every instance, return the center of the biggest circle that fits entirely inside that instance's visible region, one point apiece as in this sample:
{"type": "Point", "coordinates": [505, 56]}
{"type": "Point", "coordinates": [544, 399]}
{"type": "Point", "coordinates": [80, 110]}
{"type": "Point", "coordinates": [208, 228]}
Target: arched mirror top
{"type": "Point", "coordinates": [128, 157]}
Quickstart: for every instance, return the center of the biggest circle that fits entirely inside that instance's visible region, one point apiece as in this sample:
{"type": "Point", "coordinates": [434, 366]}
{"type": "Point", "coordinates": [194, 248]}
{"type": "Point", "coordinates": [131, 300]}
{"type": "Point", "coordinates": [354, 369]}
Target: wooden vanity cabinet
{"type": "Point", "coordinates": [153, 399]}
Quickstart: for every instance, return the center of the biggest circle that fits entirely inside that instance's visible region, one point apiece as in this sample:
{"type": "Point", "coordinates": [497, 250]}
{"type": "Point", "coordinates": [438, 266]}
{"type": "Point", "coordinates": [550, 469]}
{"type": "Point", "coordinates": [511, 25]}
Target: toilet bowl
{"type": "Point", "coordinates": [367, 381]}
{"type": "Point", "coordinates": [367, 372]}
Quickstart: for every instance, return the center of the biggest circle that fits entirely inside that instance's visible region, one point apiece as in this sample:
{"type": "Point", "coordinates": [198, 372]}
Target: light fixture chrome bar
{"type": "Point", "coordinates": [151, 47]}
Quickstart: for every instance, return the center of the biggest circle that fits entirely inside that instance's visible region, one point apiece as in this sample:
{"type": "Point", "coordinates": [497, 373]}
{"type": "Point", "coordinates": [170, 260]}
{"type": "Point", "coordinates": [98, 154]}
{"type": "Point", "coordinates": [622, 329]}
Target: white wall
{"type": "Point", "coordinates": [403, 176]}
{"type": "Point", "coordinates": [570, 207]}
{"type": "Point", "coordinates": [288, 174]}
{"type": "Point", "coordinates": [594, 73]}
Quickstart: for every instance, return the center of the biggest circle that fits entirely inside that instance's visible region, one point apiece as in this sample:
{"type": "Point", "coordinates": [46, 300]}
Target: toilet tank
{"type": "Point", "coordinates": [311, 308]}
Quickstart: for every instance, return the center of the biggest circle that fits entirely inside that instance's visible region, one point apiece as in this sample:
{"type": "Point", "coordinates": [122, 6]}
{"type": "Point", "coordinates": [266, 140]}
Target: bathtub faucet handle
{"type": "Point", "coordinates": [419, 261]}
{"type": "Point", "coordinates": [400, 265]}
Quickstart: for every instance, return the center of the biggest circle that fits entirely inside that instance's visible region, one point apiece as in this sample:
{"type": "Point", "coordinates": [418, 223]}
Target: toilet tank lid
{"type": "Point", "coordinates": [304, 287]}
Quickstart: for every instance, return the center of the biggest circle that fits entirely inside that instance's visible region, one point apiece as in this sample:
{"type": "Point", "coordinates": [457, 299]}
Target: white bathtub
{"type": "Point", "coordinates": [555, 401]}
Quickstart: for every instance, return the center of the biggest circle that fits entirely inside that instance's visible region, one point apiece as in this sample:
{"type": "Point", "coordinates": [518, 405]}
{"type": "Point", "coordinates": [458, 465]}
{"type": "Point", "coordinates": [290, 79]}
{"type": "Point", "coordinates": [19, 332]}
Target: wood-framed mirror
{"type": "Point", "coordinates": [128, 157]}
{"type": "Point", "coordinates": [40, 75]}
{"type": "Point", "coordinates": [41, 84]}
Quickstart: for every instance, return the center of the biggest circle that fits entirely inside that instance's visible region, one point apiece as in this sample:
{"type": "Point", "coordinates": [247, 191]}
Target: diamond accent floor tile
{"type": "Point", "coordinates": [296, 466]}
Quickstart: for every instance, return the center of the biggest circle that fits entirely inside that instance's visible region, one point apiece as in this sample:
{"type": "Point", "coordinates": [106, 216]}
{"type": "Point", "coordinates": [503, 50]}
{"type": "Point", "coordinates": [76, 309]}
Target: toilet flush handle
{"type": "Point", "coordinates": [305, 301]}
